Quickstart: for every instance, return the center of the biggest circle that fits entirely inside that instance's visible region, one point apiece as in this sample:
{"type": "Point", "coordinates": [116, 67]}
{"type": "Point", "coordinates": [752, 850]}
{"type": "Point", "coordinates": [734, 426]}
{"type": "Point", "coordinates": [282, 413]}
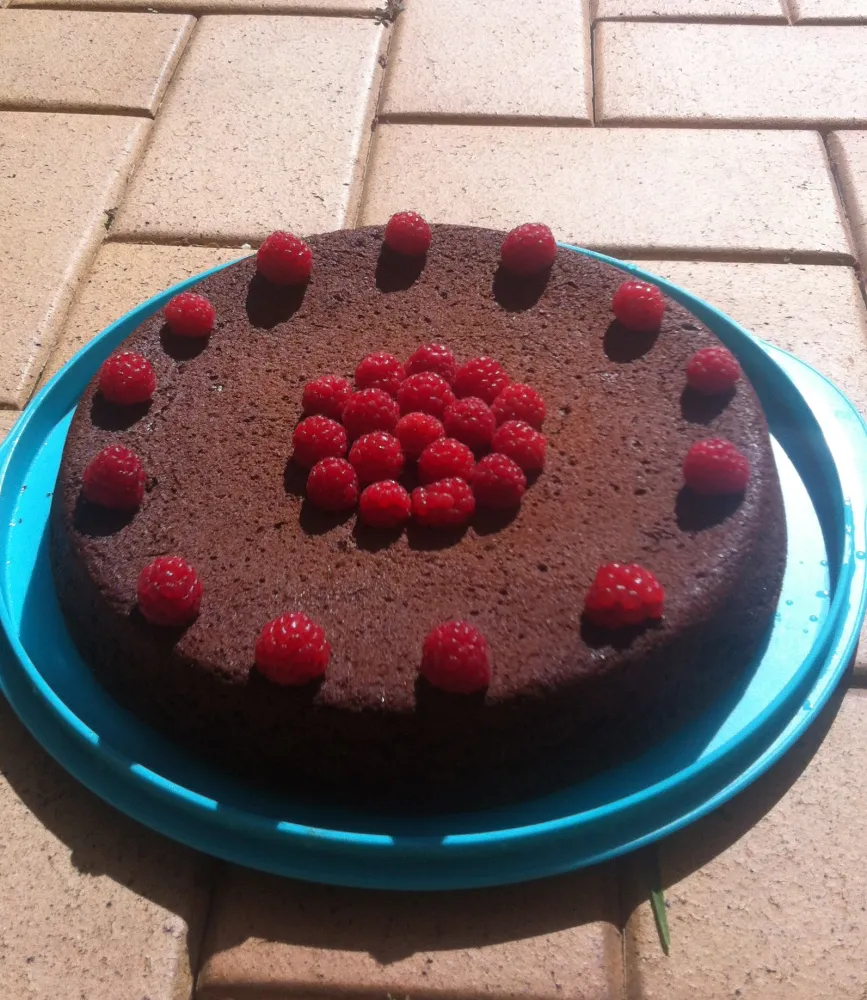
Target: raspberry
{"type": "Point", "coordinates": [385, 504]}
{"type": "Point", "coordinates": [376, 456]}
{"type": "Point", "coordinates": [169, 591]}
{"type": "Point", "coordinates": [519, 402]}
{"type": "Point", "coordinates": [623, 595]}
{"type": "Point", "coordinates": [190, 315]}
{"type": "Point", "coordinates": [498, 482]}
{"type": "Point", "coordinates": [481, 377]}
{"type": "Point", "coordinates": [127, 378]}
{"type": "Point", "coordinates": [408, 233]}
{"type": "Point", "coordinates": [470, 420]}
{"type": "Point", "coordinates": [528, 249]}
{"type": "Point", "coordinates": [369, 410]}
{"type": "Point", "coordinates": [638, 306]}
{"type": "Point", "coordinates": [326, 395]}
{"type": "Point", "coordinates": [416, 431]}
{"type": "Point", "coordinates": [455, 658]}
{"type": "Point", "coordinates": [380, 371]}
{"type": "Point", "coordinates": [284, 259]}
{"type": "Point", "coordinates": [292, 650]}
{"type": "Point", "coordinates": [316, 438]}
{"type": "Point", "coordinates": [715, 466]}
{"type": "Point", "coordinates": [522, 443]}
{"type": "Point", "coordinates": [425, 392]}
{"type": "Point", "coordinates": [114, 478]}
{"type": "Point", "coordinates": [713, 370]}
{"type": "Point", "coordinates": [448, 503]}
{"type": "Point", "coordinates": [436, 358]}
{"type": "Point", "coordinates": [332, 484]}
{"type": "Point", "coordinates": [446, 458]}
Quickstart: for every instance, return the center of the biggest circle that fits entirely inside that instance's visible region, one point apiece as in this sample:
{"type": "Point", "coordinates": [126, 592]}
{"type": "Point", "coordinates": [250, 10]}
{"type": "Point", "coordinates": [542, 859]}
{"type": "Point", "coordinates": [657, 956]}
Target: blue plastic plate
{"type": "Point", "coordinates": [820, 444]}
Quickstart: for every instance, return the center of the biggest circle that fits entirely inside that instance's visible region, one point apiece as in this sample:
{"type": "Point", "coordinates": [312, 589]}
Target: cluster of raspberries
{"type": "Point", "coordinates": [473, 434]}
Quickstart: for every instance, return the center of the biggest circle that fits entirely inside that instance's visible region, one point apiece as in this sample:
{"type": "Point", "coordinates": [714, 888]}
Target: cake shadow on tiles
{"type": "Point", "coordinates": [566, 697]}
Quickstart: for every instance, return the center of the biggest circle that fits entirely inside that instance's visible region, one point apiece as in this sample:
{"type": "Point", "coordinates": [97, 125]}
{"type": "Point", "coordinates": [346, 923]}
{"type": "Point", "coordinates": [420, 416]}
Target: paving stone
{"type": "Point", "coordinates": [673, 190]}
{"type": "Point", "coordinates": [730, 74]}
{"type": "Point", "coordinates": [87, 60]}
{"type": "Point", "coordinates": [273, 144]}
{"type": "Point", "coordinates": [692, 10]}
{"type": "Point", "coordinates": [849, 154]}
{"type": "Point", "coordinates": [840, 11]}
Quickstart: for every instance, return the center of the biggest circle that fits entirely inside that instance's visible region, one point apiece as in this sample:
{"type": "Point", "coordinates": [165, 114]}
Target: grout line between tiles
{"type": "Point", "coordinates": [270, 7]}
{"type": "Point", "coordinates": [691, 19]}
{"type": "Point", "coordinates": [64, 107]}
{"type": "Point", "coordinates": [759, 124]}
{"type": "Point", "coordinates": [541, 121]}
{"type": "Point", "coordinates": [840, 195]}
{"type": "Point", "coordinates": [591, 35]}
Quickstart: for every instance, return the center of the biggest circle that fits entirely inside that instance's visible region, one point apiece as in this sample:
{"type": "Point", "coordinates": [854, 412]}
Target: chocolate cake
{"type": "Point", "coordinates": [566, 697]}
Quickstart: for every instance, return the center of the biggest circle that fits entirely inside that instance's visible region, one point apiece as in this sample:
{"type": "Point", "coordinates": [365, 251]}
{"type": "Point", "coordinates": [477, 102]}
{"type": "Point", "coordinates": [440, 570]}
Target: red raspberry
{"type": "Point", "coordinates": [408, 233]}
{"type": "Point", "coordinates": [445, 458]}
{"type": "Point", "coordinates": [369, 410]}
{"type": "Point", "coordinates": [448, 503]}
{"type": "Point", "coordinates": [292, 650]}
{"type": "Point", "coordinates": [284, 259]}
{"type": "Point", "coordinates": [522, 443]}
{"type": "Point", "coordinates": [638, 306]}
{"type": "Point", "coordinates": [715, 466]}
{"type": "Point", "coordinates": [114, 478]}
{"type": "Point", "coordinates": [713, 370]}
{"type": "Point", "coordinates": [498, 482]}
{"type": "Point", "coordinates": [416, 431]}
{"type": "Point", "coordinates": [481, 377]}
{"type": "Point", "coordinates": [470, 420]}
{"type": "Point", "coordinates": [385, 504]}
{"type": "Point", "coordinates": [376, 456]}
{"type": "Point", "coordinates": [436, 358]}
{"type": "Point", "coordinates": [332, 484]}
{"type": "Point", "coordinates": [326, 395]}
{"type": "Point", "coordinates": [127, 378]}
{"type": "Point", "coordinates": [455, 658]}
{"type": "Point", "coordinates": [380, 371]}
{"type": "Point", "coordinates": [169, 591]}
{"type": "Point", "coordinates": [190, 315]}
{"type": "Point", "coordinates": [316, 438]}
{"type": "Point", "coordinates": [519, 402]}
{"type": "Point", "coordinates": [425, 392]}
{"type": "Point", "coordinates": [623, 595]}
{"type": "Point", "coordinates": [528, 249]}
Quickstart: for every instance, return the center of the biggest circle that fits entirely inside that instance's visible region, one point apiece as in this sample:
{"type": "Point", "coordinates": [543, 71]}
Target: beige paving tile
{"type": "Point", "coordinates": [85, 60]}
{"type": "Point", "coordinates": [817, 11]}
{"type": "Point", "coordinates": [272, 144]}
{"type": "Point", "coordinates": [769, 905]}
{"type": "Point", "coordinates": [453, 58]}
{"type": "Point", "coordinates": [58, 175]}
{"type": "Point", "coordinates": [712, 190]}
{"type": "Point", "coordinates": [692, 10]}
{"type": "Point", "coordinates": [7, 419]}
{"type": "Point", "coordinates": [815, 312]}
{"type": "Point", "coordinates": [95, 906]}
{"type": "Point", "coordinates": [551, 939]}
{"type": "Point", "coordinates": [124, 275]}
{"type": "Point", "coordinates": [849, 154]}
{"type": "Point", "coordinates": [350, 8]}
{"type": "Point", "coordinates": [730, 74]}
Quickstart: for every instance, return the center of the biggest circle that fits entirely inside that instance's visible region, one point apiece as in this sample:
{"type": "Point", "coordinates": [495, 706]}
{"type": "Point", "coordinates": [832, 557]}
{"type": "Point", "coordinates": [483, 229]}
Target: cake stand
{"type": "Point", "coordinates": [820, 445]}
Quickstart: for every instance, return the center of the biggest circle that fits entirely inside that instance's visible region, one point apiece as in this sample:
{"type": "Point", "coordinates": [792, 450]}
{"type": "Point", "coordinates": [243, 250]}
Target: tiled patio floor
{"type": "Point", "coordinates": [720, 143]}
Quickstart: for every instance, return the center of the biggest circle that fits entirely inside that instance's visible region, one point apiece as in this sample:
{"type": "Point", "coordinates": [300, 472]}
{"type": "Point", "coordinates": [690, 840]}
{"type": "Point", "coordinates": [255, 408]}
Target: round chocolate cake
{"type": "Point", "coordinates": [566, 696]}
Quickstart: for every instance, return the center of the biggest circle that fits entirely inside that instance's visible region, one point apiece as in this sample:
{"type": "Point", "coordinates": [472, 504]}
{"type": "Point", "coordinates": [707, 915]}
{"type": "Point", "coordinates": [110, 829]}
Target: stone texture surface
{"type": "Point", "coordinates": [453, 58]}
{"type": "Point", "coordinates": [351, 8]}
{"type": "Point", "coordinates": [708, 190]}
{"type": "Point", "coordinates": [693, 10]}
{"type": "Point", "coordinates": [817, 11]}
{"type": "Point", "coordinates": [124, 275]}
{"type": "Point", "coordinates": [766, 896]}
{"type": "Point", "coordinates": [7, 419]}
{"type": "Point", "coordinates": [269, 938]}
{"type": "Point", "coordinates": [95, 906]}
{"type": "Point", "coordinates": [52, 204]}
{"type": "Point", "coordinates": [849, 155]}
{"type": "Point", "coordinates": [86, 60]}
{"type": "Point", "coordinates": [730, 74]}
{"type": "Point", "coordinates": [273, 143]}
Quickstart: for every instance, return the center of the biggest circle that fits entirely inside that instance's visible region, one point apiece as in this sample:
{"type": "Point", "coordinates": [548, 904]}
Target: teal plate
{"type": "Point", "coordinates": [820, 444]}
